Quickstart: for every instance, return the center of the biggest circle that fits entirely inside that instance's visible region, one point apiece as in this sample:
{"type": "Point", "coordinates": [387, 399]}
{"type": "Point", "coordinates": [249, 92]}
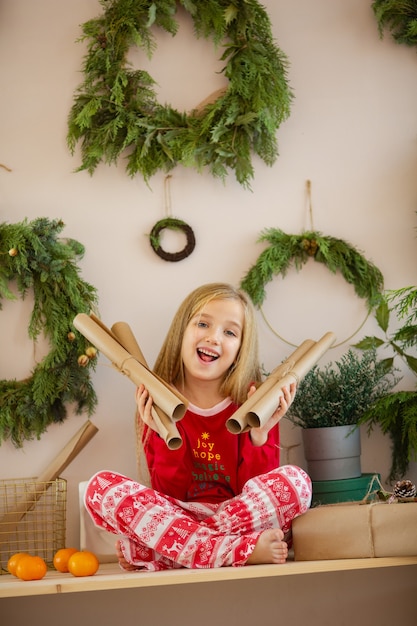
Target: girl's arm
{"type": "Point", "coordinates": [260, 447]}
{"type": "Point", "coordinates": [257, 460]}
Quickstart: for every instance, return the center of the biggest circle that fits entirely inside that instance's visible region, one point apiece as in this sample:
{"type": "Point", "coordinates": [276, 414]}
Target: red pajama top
{"type": "Point", "coordinates": [212, 465]}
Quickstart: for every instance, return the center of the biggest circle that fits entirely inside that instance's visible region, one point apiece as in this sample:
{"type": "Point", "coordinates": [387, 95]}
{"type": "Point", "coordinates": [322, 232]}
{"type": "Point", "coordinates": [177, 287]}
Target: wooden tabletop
{"type": "Point", "coordinates": [110, 576]}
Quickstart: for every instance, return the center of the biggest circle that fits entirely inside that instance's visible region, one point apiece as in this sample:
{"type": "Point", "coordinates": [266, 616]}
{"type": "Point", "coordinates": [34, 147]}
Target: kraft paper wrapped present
{"type": "Point", "coordinates": [356, 530]}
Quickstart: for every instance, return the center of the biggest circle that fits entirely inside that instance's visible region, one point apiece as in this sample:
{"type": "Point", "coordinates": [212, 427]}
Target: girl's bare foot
{"type": "Point", "coordinates": [270, 548]}
{"type": "Point", "coordinates": [122, 561]}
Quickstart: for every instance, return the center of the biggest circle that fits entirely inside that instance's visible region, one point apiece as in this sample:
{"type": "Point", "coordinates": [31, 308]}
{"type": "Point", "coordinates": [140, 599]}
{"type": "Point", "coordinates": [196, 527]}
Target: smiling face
{"type": "Point", "coordinates": [212, 340]}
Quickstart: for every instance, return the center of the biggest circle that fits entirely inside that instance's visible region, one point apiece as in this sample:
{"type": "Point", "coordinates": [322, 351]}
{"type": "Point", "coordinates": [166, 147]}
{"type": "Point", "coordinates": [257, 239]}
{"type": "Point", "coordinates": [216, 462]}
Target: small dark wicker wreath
{"type": "Point", "coordinates": [172, 223]}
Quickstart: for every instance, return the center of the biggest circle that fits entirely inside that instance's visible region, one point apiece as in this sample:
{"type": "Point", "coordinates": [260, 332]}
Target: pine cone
{"type": "Point", "coordinates": [405, 489]}
{"type": "Point", "coordinates": [310, 246]}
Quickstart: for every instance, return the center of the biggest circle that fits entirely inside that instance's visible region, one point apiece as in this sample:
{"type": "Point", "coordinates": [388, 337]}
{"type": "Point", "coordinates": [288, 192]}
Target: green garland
{"type": "Point", "coordinates": [400, 17]}
{"type": "Point", "coordinates": [33, 257]}
{"type": "Point", "coordinates": [336, 254]}
{"type": "Point", "coordinates": [396, 413]}
{"type": "Point", "coordinates": [115, 110]}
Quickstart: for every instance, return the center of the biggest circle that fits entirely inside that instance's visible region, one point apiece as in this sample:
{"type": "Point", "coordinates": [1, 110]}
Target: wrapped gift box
{"type": "Point", "coordinates": [355, 530]}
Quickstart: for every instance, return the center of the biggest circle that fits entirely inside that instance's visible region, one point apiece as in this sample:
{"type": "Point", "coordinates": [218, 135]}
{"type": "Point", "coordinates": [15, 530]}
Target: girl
{"type": "Point", "coordinates": [220, 499]}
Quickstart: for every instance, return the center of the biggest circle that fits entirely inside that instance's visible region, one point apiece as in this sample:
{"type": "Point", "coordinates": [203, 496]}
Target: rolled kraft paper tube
{"type": "Point", "coordinates": [256, 413]}
{"type": "Point", "coordinates": [36, 488]}
{"type": "Point", "coordinates": [238, 422]}
{"type": "Point", "coordinates": [263, 410]}
{"type": "Point", "coordinates": [69, 452]}
{"type": "Point", "coordinates": [126, 338]}
{"type": "Point", "coordinates": [167, 429]}
{"type": "Point", "coordinates": [124, 335]}
{"type": "Point", "coordinates": [131, 367]}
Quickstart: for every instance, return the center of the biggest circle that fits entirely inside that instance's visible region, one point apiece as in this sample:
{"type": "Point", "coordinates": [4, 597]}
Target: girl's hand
{"type": "Point", "coordinates": [259, 436]}
{"type": "Point", "coordinates": [144, 403]}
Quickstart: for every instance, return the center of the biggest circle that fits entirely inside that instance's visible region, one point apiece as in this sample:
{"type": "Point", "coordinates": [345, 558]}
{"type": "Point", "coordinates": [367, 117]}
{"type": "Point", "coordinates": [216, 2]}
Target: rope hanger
{"type": "Point", "coordinates": [310, 218]}
{"type": "Point", "coordinates": [171, 223]}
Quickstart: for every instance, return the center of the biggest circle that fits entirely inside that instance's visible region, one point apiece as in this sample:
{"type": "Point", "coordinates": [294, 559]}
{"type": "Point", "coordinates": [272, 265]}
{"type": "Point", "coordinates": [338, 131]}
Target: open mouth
{"type": "Point", "coordinates": [207, 355]}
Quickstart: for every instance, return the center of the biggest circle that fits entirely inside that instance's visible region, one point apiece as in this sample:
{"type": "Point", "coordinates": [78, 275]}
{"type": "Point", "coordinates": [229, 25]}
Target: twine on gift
{"type": "Point", "coordinates": [372, 494]}
{"type": "Point", "coordinates": [370, 501]}
{"type": "Point", "coordinates": [370, 529]}
{"type": "Point", "coordinates": [382, 495]}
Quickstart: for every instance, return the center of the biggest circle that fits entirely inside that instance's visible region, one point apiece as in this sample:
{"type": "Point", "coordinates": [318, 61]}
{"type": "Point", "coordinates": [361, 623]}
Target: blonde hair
{"type": "Point", "coordinates": [243, 372]}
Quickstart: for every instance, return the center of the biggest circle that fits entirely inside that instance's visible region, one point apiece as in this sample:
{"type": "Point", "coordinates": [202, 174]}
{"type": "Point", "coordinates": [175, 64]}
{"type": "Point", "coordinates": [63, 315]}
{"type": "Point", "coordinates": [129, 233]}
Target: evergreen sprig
{"type": "Point", "coordinates": [116, 112]}
{"type": "Point", "coordinates": [32, 255]}
{"type": "Point", "coordinates": [399, 17]}
{"type": "Point", "coordinates": [339, 393]}
{"type": "Point", "coordinates": [396, 413]}
{"type": "Point", "coordinates": [338, 255]}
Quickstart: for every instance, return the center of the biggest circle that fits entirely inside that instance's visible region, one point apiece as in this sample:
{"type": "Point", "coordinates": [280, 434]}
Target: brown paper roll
{"type": "Point", "coordinates": [263, 410]}
{"type": "Point", "coordinates": [69, 452]}
{"type": "Point", "coordinates": [127, 364]}
{"type": "Point", "coordinates": [238, 422]}
{"type": "Point", "coordinates": [257, 414]}
{"type": "Point", "coordinates": [167, 429]}
{"type": "Point", "coordinates": [122, 332]}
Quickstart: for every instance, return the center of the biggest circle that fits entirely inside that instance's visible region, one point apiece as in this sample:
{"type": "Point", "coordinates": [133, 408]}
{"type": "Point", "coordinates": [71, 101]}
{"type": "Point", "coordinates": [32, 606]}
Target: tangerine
{"type": "Point", "coordinates": [13, 561]}
{"type": "Point", "coordinates": [31, 567]}
{"type": "Point", "coordinates": [61, 558]}
{"type": "Point", "coordinates": [83, 563]}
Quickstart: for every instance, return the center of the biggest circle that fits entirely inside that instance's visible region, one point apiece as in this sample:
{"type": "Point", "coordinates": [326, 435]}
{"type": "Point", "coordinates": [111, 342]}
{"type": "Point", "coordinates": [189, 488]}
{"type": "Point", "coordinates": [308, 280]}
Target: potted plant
{"type": "Point", "coordinates": [328, 406]}
{"type": "Point", "coordinates": [396, 412]}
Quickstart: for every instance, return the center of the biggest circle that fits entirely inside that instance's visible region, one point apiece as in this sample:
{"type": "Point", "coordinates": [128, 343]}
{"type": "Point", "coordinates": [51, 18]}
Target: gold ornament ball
{"type": "Point", "coordinates": [13, 252]}
{"type": "Point", "coordinates": [71, 336]}
{"type": "Point", "coordinates": [91, 352]}
{"type": "Point", "coordinates": [83, 360]}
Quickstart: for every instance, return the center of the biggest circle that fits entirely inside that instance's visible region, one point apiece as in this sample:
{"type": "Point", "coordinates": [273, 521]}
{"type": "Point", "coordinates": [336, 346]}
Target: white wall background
{"type": "Point", "coordinates": [352, 132]}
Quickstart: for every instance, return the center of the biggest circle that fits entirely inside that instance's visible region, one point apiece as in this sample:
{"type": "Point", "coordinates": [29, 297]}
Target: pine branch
{"type": "Point", "coordinates": [339, 256]}
{"type": "Point", "coordinates": [115, 109]}
{"type": "Point", "coordinates": [40, 261]}
{"type": "Point", "coordinates": [399, 17]}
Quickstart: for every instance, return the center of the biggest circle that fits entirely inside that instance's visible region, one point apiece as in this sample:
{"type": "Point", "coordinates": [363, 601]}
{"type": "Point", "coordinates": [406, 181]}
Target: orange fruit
{"type": "Point", "coordinates": [31, 567]}
{"type": "Point", "coordinates": [13, 561]}
{"type": "Point", "coordinates": [83, 563]}
{"type": "Point", "coordinates": [61, 558]}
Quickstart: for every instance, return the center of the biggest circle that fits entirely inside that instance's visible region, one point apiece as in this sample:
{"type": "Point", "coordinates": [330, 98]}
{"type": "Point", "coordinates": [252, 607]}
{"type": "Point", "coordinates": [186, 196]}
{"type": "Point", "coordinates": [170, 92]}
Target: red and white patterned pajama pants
{"type": "Point", "coordinates": [158, 532]}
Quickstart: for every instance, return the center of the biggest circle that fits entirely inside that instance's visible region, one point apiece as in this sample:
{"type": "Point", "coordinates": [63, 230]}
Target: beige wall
{"type": "Point", "coordinates": [352, 131]}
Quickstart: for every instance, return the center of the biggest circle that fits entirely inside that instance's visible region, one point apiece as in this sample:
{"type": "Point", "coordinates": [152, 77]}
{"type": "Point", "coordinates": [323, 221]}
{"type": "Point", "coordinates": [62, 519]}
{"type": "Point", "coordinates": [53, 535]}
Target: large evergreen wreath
{"type": "Point", "coordinates": [32, 255]}
{"type": "Point", "coordinates": [115, 110]}
{"type": "Point", "coordinates": [338, 255]}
